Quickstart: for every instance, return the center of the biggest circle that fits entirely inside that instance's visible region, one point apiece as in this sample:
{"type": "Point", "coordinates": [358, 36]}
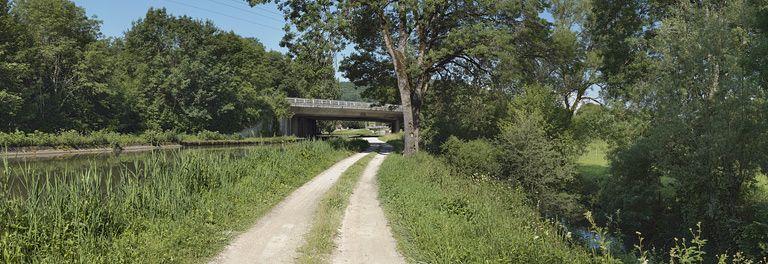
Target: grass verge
{"type": "Point", "coordinates": [441, 216]}
{"type": "Point", "coordinates": [182, 208]}
{"type": "Point", "coordinates": [77, 140]}
{"type": "Point", "coordinates": [362, 132]}
{"type": "Point", "coordinates": [593, 168]}
{"type": "Point", "coordinates": [395, 140]}
{"type": "Point", "coordinates": [330, 212]}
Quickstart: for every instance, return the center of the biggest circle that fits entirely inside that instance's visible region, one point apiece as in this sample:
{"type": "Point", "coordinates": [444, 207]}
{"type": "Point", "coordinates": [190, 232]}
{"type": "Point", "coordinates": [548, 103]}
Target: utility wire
{"type": "Point", "coordinates": [240, 8]}
{"type": "Point", "coordinates": [260, 8]}
{"type": "Point", "coordinates": [226, 15]}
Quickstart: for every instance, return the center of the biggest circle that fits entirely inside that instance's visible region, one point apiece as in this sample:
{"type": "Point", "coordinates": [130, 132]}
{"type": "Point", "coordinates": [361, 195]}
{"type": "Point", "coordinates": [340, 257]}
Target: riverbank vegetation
{"type": "Point", "coordinates": [650, 116]}
{"type": "Point", "coordinates": [182, 207]}
{"type": "Point", "coordinates": [514, 102]}
{"type": "Point", "coordinates": [441, 215]}
{"type": "Point", "coordinates": [75, 140]}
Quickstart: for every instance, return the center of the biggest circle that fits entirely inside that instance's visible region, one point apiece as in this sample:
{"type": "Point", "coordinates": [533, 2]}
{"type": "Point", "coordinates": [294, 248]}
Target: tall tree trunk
{"type": "Point", "coordinates": [409, 97]}
{"type": "Point", "coordinates": [411, 111]}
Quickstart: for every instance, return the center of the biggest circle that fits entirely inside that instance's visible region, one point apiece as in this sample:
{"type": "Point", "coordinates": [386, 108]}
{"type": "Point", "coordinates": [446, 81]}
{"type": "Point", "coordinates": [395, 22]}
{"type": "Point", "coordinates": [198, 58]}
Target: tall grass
{"type": "Point", "coordinates": [441, 216]}
{"type": "Point", "coordinates": [75, 139]}
{"type": "Point", "coordinates": [176, 208]}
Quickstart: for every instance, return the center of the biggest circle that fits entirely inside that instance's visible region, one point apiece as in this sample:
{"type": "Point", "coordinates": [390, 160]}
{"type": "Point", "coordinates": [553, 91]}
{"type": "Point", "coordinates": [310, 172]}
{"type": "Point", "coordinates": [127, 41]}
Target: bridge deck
{"type": "Point", "coordinates": [324, 103]}
{"type": "Point", "coordinates": [306, 112]}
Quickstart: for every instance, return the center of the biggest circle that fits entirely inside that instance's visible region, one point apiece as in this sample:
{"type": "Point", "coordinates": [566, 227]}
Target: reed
{"type": "Point", "coordinates": [178, 208]}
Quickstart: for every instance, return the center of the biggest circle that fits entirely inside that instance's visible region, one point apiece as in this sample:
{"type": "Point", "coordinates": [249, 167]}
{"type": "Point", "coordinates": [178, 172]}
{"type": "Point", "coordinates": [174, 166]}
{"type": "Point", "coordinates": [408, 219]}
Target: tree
{"type": "Point", "coordinates": [14, 69]}
{"type": "Point", "coordinates": [188, 75]}
{"type": "Point", "coordinates": [572, 65]}
{"type": "Point", "coordinates": [621, 32]}
{"type": "Point", "coordinates": [59, 32]}
{"type": "Point", "coordinates": [421, 41]}
{"type": "Point", "coordinates": [705, 143]}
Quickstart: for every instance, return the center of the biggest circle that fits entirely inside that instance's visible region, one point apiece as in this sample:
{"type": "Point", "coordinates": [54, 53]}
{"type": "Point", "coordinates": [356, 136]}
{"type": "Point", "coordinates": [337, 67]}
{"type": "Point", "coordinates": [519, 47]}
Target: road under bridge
{"type": "Point", "coordinates": [306, 113]}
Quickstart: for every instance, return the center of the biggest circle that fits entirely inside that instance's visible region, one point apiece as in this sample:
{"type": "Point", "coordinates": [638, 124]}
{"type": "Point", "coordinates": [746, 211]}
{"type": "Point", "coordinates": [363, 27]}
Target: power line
{"type": "Point", "coordinates": [226, 15]}
{"type": "Point", "coordinates": [260, 8]}
{"type": "Point", "coordinates": [245, 10]}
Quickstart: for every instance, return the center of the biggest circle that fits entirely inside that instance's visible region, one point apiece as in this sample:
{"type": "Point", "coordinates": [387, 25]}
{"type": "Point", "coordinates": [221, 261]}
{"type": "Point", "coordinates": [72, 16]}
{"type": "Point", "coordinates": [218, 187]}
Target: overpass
{"type": "Point", "coordinates": [307, 111]}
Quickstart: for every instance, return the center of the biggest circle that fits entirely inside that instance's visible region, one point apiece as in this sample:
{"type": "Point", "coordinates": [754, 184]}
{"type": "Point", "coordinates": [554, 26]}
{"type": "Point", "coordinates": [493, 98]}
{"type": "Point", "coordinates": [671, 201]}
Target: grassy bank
{"type": "Point", "coordinates": [180, 208]}
{"type": "Point", "coordinates": [77, 140]}
{"type": "Point", "coordinates": [593, 168]}
{"type": "Point", "coordinates": [395, 140]}
{"type": "Point", "coordinates": [362, 132]}
{"type": "Point", "coordinates": [441, 216]}
{"type": "Point", "coordinates": [330, 212]}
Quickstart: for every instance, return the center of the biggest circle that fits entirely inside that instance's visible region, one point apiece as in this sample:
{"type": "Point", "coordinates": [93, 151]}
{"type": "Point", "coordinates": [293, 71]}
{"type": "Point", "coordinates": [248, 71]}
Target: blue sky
{"type": "Point", "coordinates": [263, 22]}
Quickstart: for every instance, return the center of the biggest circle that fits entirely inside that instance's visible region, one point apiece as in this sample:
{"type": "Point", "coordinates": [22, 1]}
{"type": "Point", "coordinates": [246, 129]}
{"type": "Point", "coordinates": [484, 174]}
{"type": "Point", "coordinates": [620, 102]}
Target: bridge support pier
{"type": "Point", "coordinates": [396, 126]}
{"type": "Point", "coordinates": [298, 126]}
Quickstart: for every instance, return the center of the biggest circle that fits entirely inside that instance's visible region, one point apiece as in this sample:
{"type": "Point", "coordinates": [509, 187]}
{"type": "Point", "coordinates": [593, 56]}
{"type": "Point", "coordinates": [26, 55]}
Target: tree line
{"type": "Point", "coordinates": [512, 90]}
{"type": "Point", "coordinates": [58, 72]}
{"type": "Point", "coordinates": [516, 90]}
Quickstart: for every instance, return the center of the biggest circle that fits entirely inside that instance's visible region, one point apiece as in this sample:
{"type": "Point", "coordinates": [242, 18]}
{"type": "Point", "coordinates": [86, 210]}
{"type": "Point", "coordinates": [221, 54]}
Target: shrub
{"type": "Point", "coordinates": [478, 158]}
{"type": "Point", "coordinates": [213, 135]}
{"type": "Point", "coordinates": [156, 138]}
{"type": "Point", "coordinates": [542, 165]}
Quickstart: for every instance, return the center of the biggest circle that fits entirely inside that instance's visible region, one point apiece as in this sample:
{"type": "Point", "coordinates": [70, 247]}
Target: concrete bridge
{"type": "Point", "coordinates": [306, 112]}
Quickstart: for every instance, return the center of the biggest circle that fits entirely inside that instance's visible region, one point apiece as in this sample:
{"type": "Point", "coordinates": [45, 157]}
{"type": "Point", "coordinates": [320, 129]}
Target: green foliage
{"type": "Point", "coordinates": [592, 122]}
{"type": "Point", "coordinates": [350, 92]}
{"type": "Point", "coordinates": [361, 132]}
{"type": "Point", "coordinates": [191, 76]}
{"type": "Point", "coordinates": [542, 165]}
{"type": "Point", "coordinates": [357, 145]}
{"type": "Point", "coordinates": [166, 73]}
{"type": "Point", "coordinates": [440, 215]}
{"type": "Point", "coordinates": [50, 38]}
{"type": "Point", "coordinates": [538, 100]}
{"type": "Point", "coordinates": [73, 139]}
{"type": "Point", "coordinates": [181, 207]}
{"type": "Point", "coordinates": [104, 138]}
{"type": "Point", "coordinates": [699, 158]}
{"type": "Point", "coordinates": [478, 158]}
{"type": "Point", "coordinates": [461, 110]}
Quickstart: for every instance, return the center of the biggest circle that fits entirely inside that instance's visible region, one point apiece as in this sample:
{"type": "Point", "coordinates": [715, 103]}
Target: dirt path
{"type": "Point", "coordinates": [277, 235]}
{"type": "Point", "coordinates": [365, 236]}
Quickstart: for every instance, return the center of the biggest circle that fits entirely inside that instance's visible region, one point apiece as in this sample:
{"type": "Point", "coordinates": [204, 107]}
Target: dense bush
{"type": "Point", "coordinates": [543, 166]}
{"type": "Point", "coordinates": [478, 158]}
{"type": "Point", "coordinates": [211, 135]}
{"type": "Point", "coordinates": [698, 159]}
{"type": "Point", "coordinates": [462, 110]}
{"type": "Point", "coordinates": [74, 139]}
{"type": "Point", "coordinates": [533, 149]}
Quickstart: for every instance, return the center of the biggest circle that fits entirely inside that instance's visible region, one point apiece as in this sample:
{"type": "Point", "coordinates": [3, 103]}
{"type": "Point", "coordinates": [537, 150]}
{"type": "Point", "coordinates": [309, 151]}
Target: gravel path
{"type": "Point", "coordinates": [277, 235]}
{"type": "Point", "coordinates": [365, 236]}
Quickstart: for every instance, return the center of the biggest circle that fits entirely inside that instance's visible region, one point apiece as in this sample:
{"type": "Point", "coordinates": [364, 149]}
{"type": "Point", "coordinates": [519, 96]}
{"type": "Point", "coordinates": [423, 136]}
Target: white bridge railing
{"type": "Point", "coordinates": [324, 103]}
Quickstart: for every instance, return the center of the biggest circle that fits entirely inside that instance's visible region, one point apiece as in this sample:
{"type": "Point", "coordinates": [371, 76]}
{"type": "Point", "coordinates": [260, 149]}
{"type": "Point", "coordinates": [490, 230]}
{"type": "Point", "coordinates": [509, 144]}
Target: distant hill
{"type": "Point", "coordinates": [350, 92]}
